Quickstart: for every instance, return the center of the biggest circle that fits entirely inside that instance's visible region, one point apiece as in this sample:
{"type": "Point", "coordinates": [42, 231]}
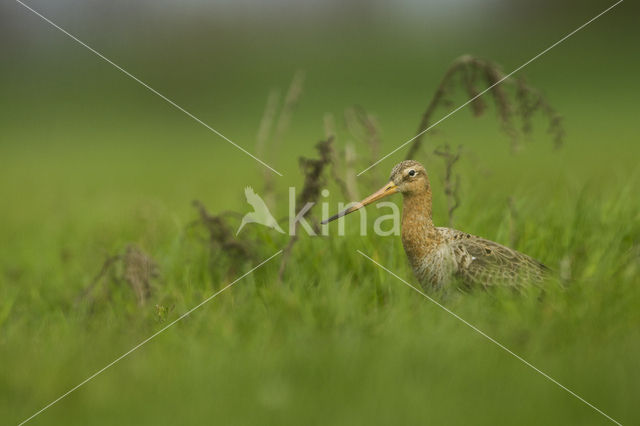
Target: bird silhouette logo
{"type": "Point", "coordinates": [260, 213]}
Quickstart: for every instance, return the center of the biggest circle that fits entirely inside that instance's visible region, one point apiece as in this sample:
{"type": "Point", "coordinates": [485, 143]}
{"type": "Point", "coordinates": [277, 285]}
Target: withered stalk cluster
{"type": "Point", "coordinates": [451, 183]}
{"type": "Point", "coordinates": [134, 267]}
{"type": "Point", "coordinates": [477, 75]}
{"type": "Point", "coordinates": [314, 171]}
{"type": "Point", "coordinates": [513, 98]}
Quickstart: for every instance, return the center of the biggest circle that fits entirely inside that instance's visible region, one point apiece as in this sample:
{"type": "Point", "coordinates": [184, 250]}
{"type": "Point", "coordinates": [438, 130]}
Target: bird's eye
{"type": "Point", "coordinates": [412, 172]}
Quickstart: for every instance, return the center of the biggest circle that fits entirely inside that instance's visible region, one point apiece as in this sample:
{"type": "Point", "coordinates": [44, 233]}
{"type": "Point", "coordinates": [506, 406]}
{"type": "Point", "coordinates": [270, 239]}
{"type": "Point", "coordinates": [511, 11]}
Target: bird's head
{"type": "Point", "coordinates": [408, 177]}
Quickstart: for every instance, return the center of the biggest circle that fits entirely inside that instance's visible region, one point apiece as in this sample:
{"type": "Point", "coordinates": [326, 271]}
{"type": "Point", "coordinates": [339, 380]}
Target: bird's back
{"type": "Point", "coordinates": [476, 262]}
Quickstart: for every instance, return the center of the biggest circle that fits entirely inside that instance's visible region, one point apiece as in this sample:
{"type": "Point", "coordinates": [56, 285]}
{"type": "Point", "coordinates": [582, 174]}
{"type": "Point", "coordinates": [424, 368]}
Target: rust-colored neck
{"type": "Point", "coordinates": [416, 210]}
{"type": "Point", "coordinates": [419, 236]}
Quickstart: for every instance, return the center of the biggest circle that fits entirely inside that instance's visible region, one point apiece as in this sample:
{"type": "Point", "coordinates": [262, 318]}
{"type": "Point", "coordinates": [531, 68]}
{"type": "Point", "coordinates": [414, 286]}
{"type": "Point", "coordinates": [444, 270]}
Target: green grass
{"type": "Point", "coordinates": [93, 165]}
{"type": "Point", "coordinates": [340, 340]}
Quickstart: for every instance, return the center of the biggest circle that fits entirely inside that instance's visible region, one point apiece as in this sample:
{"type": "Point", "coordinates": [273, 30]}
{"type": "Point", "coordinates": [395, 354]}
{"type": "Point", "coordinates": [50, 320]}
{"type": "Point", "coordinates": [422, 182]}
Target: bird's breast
{"type": "Point", "coordinates": [430, 257]}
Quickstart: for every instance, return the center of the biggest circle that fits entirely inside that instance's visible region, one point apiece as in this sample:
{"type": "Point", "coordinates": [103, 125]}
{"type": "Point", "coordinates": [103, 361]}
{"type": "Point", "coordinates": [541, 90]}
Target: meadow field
{"type": "Point", "coordinates": [94, 166]}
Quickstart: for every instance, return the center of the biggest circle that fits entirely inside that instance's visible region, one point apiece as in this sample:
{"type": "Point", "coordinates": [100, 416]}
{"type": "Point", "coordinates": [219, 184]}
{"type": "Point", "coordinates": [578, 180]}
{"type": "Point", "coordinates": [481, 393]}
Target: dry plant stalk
{"type": "Point", "coordinates": [266, 123]}
{"type": "Point", "coordinates": [363, 126]}
{"type": "Point", "coordinates": [313, 170]}
{"type": "Point", "coordinates": [476, 73]}
{"type": "Point", "coordinates": [329, 123]}
{"type": "Point", "coordinates": [369, 124]}
{"type": "Point", "coordinates": [291, 100]}
{"type": "Point", "coordinates": [350, 160]}
{"type": "Point", "coordinates": [314, 181]}
{"type": "Point", "coordinates": [139, 270]}
{"type": "Point", "coordinates": [531, 100]}
{"type": "Point", "coordinates": [264, 130]}
{"type": "Point", "coordinates": [134, 266]}
{"type": "Point", "coordinates": [514, 235]}
{"type": "Point", "coordinates": [222, 238]}
{"type": "Point", "coordinates": [330, 133]}
{"type": "Point", "coordinates": [106, 269]}
{"type": "Point", "coordinates": [451, 184]}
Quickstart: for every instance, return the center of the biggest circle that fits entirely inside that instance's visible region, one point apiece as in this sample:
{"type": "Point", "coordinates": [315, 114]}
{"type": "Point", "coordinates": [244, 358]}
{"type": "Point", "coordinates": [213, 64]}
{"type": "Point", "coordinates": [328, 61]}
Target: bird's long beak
{"type": "Point", "coordinates": [388, 189]}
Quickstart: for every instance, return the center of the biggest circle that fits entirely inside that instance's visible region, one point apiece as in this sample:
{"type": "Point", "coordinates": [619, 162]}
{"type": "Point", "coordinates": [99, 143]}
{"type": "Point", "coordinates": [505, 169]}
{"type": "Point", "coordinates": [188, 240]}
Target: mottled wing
{"type": "Point", "coordinates": [486, 263]}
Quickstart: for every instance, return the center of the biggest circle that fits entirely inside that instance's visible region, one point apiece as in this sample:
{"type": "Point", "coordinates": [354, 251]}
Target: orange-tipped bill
{"type": "Point", "coordinates": [386, 190]}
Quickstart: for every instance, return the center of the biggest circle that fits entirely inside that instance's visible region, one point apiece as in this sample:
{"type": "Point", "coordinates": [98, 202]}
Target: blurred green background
{"type": "Point", "coordinates": [91, 161]}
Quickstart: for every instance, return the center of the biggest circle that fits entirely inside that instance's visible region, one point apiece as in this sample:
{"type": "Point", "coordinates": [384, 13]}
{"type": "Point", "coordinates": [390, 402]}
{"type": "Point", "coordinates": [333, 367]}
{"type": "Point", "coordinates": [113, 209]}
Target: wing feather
{"type": "Point", "coordinates": [484, 262]}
